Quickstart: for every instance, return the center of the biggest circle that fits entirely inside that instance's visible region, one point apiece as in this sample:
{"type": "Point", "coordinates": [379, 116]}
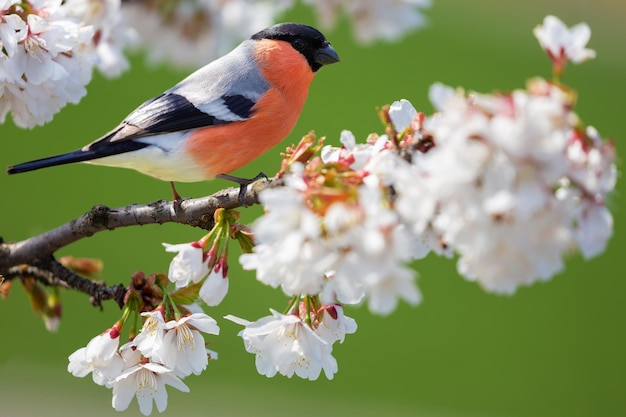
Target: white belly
{"type": "Point", "coordinates": [163, 159]}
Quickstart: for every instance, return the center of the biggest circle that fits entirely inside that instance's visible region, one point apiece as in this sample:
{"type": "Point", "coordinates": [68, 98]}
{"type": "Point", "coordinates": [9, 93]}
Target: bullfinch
{"type": "Point", "coordinates": [219, 118]}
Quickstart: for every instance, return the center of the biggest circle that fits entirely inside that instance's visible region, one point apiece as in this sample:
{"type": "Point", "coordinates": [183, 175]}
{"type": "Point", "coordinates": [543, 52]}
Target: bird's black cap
{"type": "Point", "coordinates": [307, 40]}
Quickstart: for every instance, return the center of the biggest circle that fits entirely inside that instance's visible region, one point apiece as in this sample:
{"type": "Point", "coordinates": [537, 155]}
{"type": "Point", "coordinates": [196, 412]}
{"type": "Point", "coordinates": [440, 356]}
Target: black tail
{"type": "Point", "coordinates": [78, 156]}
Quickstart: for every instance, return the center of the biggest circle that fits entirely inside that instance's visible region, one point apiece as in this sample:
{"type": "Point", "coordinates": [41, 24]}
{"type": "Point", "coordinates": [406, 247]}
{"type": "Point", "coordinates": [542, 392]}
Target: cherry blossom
{"type": "Point", "coordinates": [189, 265]}
{"type": "Point", "coordinates": [182, 348]}
{"type": "Point", "coordinates": [112, 32]}
{"type": "Point", "coordinates": [199, 31]}
{"type": "Point", "coordinates": [13, 29]}
{"type": "Point", "coordinates": [145, 380]}
{"type": "Point", "coordinates": [150, 338]}
{"type": "Point", "coordinates": [334, 324]}
{"type": "Point", "coordinates": [373, 19]}
{"type": "Point", "coordinates": [290, 253]}
{"type": "Point", "coordinates": [47, 62]}
{"type": "Point", "coordinates": [286, 345]}
{"type": "Point", "coordinates": [563, 44]}
{"type": "Point", "coordinates": [402, 114]}
{"type": "Point", "coordinates": [374, 246]}
{"type": "Point", "coordinates": [215, 286]}
{"type": "Point", "coordinates": [99, 357]}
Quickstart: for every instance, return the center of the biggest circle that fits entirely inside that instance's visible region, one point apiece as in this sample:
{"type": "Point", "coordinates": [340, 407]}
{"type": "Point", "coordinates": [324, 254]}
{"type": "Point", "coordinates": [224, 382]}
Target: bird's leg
{"type": "Point", "coordinates": [243, 183]}
{"type": "Point", "coordinates": [176, 195]}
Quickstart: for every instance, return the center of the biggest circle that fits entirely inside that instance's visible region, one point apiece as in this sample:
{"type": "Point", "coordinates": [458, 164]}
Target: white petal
{"type": "Point", "coordinates": [402, 114]}
{"type": "Point", "coordinates": [439, 95]}
{"type": "Point", "coordinates": [123, 393]}
{"type": "Point", "coordinates": [204, 323]}
{"type": "Point", "coordinates": [175, 382]}
{"type": "Point", "coordinates": [160, 396]}
{"type": "Point", "coordinates": [76, 366]}
{"type": "Point", "coordinates": [237, 320]}
{"type": "Point", "coordinates": [214, 289]}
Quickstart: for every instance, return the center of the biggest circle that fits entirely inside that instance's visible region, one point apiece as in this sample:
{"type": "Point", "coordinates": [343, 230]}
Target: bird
{"type": "Point", "coordinates": [218, 119]}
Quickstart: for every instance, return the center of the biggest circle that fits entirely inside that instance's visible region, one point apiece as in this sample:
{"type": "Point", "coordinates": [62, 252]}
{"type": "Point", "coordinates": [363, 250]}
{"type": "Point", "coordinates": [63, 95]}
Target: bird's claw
{"type": "Point", "coordinates": [243, 184]}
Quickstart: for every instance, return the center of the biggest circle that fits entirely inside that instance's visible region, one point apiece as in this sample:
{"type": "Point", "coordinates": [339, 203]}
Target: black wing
{"type": "Point", "coordinates": [171, 112]}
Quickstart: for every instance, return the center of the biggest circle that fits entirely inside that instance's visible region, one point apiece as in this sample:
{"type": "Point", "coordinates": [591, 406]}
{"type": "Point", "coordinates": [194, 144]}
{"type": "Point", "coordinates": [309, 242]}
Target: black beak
{"type": "Point", "coordinates": [325, 55]}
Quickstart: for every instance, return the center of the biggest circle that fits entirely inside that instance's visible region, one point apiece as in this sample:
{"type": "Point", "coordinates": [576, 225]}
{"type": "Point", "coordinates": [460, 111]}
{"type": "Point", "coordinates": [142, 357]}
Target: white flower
{"type": "Point", "coordinates": [286, 345]}
{"type": "Point", "coordinates": [12, 31]}
{"type": "Point", "coordinates": [215, 286]}
{"type": "Point", "coordinates": [382, 165]}
{"type": "Point", "coordinates": [402, 114]}
{"type": "Point", "coordinates": [189, 265]}
{"type": "Point", "coordinates": [146, 381]}
{"type": "Point", "coordinates": [439, 94]}
{"type": "Point", "coordinates": [150, 338]}
{"type": "Point", "coordinates": [594, 227]}
{"type": "Point", "coordinates": [563, 44]}
{"type": "Point", "coordinates": [333, 155]}
{"type": "Point", "coordinates": [47, 62]}
{"type": "Point", "coordinates": [192, 33]}
{"type": "Point", "coordinates": [417, 202]}
{"type": "Point", "coordinates": [373, 19]}
{"type": "Point", "coordinates": [354, 155]}
{"type": "Point", "coordinates": [183, 348]}
{"type": "Point", "coordinates": [591, 163]}
{"type": "Point", "coordinates": [100, 357]}
{"type": "Point", "coordinates": [591, 176]}
{"type": "Point", "coordinates": [504, 255]}
{"type": "Point", "coordinates": [383, 282]}
{"type": "Point", "coordinates": [374, 246]}
{"type": "Point", "coordinates": [531, 128]}
{"type": "Point", "coordinates": [290, 252]}
{"type": "Point", "coordinates": [112, 32]}
{"type": "Point", "coordinates": [333, 324]}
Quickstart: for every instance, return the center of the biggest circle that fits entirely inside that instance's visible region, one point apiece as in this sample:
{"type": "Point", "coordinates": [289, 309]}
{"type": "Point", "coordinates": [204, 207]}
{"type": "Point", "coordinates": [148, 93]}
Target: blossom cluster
{"type": "Point", "coordinates": [192, 33]}
{"type": "Point", "coordinates": [112, 32]}
{"type": "Point", "coordinates": [197, 31]}
{"type": "Point", "coordinates": [48, 52]}
{"type": "Point", "coordinates": [332, 231]}
{"type": "Point", "coordinates": [514, 180]}
{"type": "Point", "coordinates": [45, 61]}
{"type": "Point", "coordinates": [299, 342]}
{"type": "Point", "coordinates": [511, 182]}
{"type": "Point", "coordinates": [373, 19]}
{"type": "Point", "coordinates": [296, 342]}
{"type": "Point", "coordinates": [168, 348]}
{"type": "Point", "coordinates": [169, 345]}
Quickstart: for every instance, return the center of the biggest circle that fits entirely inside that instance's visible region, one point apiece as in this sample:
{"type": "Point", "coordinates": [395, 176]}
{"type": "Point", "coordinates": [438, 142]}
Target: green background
{"type": "Point", "coordinates": [553, 349]}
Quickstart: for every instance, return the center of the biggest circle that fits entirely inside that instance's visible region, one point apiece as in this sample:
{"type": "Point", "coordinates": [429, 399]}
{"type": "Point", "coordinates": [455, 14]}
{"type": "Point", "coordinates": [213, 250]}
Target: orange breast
{"type": "Point", "coordinates": [225, 148]}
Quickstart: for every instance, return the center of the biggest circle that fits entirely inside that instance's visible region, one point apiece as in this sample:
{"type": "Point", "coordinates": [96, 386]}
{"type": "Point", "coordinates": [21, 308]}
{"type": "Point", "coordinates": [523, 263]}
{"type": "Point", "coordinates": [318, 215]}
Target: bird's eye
{"type": "Point", "coordinates": [299, 44]}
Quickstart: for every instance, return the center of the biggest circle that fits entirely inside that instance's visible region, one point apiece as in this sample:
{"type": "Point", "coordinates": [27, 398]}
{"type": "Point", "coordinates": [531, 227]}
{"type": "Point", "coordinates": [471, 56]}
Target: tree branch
{"type": "Point", "coordinates": [35, 256]}
{"type": "Point", "coordinates": [50, 272]}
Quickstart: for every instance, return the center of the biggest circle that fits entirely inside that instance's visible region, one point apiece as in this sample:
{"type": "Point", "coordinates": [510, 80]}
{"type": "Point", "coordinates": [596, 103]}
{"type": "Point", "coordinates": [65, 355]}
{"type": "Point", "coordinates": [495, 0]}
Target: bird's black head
{"type": "Point", "coordinates": [305, 39]}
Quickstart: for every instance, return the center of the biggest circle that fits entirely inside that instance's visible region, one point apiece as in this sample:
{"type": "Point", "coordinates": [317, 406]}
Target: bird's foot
{"type": "Point", "coordinates": [177, 198]}
{"type": "Point", "coordinates": [243, 184]}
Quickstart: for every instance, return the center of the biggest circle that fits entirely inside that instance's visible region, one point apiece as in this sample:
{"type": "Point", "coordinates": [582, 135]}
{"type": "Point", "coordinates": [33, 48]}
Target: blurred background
{"type": "Point", "coordinates": [553, 349]}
